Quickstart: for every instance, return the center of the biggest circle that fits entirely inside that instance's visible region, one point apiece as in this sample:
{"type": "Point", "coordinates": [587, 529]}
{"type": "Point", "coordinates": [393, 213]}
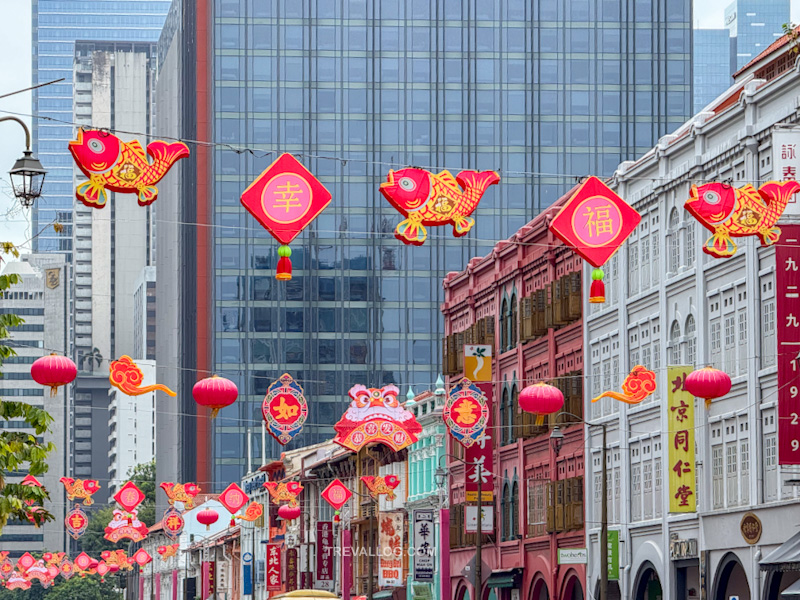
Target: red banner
{"type": "Point", "coordinates": [787, 288]}
{"type": "Point", "coordinates": [274, 568]}
{"type": "Point", "coordinates": [291, 569]}
{"type": "Point", "coordinates": [324, 551]}
{"type": "Point", "coordinates": [482, 452]}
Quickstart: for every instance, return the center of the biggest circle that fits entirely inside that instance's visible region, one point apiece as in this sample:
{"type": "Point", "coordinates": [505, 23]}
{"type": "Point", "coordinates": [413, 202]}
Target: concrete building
{"type": "Point", "coordinates": [455, 87]}
{"type": "Point", "coordinates": [424, 494]}
{"type": "Point", "coordinates": [524, 300]}
{"type": "Point", "coordinates": [670, 304]}
{"type": "Point", "coordinates": [113, 247]}
{"type": "Point", "coordinates": [132, 424]}
{"type": "Point", "coordinates": [42, 300]}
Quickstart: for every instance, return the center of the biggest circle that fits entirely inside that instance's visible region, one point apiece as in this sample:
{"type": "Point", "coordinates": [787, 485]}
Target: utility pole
{"type": "Point", "coordinates": [372, 550]}
{"type": "Point", "coordinates": [479, 540]}
{"type": "Point", "coordinates": [604, 525]}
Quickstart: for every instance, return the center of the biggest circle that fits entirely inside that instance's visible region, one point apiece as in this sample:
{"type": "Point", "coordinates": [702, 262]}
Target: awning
{"type": "Point", "coordinates": [792, 592]}
{"type": "Point", "coordinates": [785, 557]}
{"type": "Point", "coordinates": [383, 594]}
{"type": "Point", "coordinates": [505, 578]}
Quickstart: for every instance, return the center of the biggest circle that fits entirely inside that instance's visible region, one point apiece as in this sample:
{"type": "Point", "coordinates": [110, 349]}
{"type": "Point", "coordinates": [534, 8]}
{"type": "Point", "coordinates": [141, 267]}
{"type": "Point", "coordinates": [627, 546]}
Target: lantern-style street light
{"type": "Point", "coordinates": [27, 174]}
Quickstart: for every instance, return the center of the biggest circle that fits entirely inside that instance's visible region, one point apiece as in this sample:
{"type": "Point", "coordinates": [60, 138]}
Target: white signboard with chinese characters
{"type": "Point", "coordinates": [786, 162]}
{"type": "Point", "coordinates": [424, 546]}
{"type": "Point", "coordinates": [471, 519]}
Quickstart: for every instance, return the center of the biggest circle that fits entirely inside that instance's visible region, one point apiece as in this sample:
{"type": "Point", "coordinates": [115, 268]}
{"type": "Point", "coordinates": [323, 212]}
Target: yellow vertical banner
{"type": "Point", "coordinates": [478, 362]}
{"type": "Point", "coordinates": [680, 437]}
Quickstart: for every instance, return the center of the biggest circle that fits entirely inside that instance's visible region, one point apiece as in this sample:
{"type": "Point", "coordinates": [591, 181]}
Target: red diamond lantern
{"type": "Point", "coordinates": [129, 496]}
{"type": "Point", "coordinates": [336, 494]}
{"type": "Point", "coordinates": [595, 222]}
{"type": "Point", "coordinates": [285, 199]}
{"type": "Point", "coordinates": [142, 557]}
{"type": "Point", "coordinates": [83, 561]}
{"type": "Point", "coordinates": [233, 498]}
{"type": "Point", "coordinates": [26, 561]}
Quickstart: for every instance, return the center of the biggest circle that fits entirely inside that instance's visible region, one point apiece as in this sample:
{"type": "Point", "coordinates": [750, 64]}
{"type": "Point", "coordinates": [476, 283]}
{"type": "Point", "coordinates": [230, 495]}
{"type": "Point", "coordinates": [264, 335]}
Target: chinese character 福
{"type": "Point", "coordinates": [598, 221]}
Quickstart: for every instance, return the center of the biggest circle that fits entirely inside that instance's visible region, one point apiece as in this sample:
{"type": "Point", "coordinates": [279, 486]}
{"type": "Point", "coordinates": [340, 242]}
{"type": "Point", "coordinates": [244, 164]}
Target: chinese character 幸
{"type": "Point", "coordinates": [285, 196]}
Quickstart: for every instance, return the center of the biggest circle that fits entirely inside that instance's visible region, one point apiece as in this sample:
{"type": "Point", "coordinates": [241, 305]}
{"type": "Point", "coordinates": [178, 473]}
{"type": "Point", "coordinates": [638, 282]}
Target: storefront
{"type": "Point", "coordinates": [782, 571]}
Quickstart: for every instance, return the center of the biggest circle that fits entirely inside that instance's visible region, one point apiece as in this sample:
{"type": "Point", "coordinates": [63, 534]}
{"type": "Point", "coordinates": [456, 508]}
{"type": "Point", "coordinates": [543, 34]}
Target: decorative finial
{"type": "Point", "coordinates": [439, 386]}
{"type": "Point", "coordinates": [410, 397]}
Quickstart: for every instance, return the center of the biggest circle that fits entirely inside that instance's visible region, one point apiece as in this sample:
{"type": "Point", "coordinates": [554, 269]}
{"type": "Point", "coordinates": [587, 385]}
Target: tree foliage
{"type": "Point", "coordinates": [20, 451]}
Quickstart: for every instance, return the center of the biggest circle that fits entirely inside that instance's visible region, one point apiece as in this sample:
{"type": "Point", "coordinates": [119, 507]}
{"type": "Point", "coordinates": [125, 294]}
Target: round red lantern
{"type": "Point", "coordinates": [215, 393]}
{"type": "Point", "coordinates": [207, 517]}
{"type": "Point", "coordinates": [54, 371]}
{"type": "Point", "coordinates": [541, 399]}
{"type": "Point", "coordinates": [708, 383]}
{"type": "Point", "coordinates": [289, 513]}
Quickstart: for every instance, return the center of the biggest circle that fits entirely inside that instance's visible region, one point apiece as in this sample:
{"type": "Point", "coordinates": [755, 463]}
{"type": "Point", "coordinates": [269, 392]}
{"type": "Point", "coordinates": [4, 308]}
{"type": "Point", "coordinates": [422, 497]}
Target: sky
{"type": "Point", "coordinates": [15, 48]}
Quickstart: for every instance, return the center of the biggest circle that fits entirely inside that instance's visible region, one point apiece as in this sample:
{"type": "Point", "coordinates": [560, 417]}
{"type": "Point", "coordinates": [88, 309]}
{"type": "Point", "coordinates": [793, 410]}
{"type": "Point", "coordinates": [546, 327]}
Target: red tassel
{"type": "Point", "coordinates": [597, 293]}
{"type": "Point", "coordinates": [284, 269]}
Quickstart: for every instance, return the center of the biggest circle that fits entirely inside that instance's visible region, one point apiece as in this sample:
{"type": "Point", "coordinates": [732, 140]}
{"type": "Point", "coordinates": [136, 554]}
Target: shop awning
{"type": "Point", "coordinates": [792, 592]}
{"type": "Point", "coordinates": [385, 594]}
{"type": "Point", "coordinates": [785, 557]}
{"type": "Point", "coordinates": [504, 578]}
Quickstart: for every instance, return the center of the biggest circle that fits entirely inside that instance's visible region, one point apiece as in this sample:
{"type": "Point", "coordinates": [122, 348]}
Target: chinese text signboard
{"type": "Point", "coordinates": [424, 546]}
{"type": "Point", "coordinates": [481, 453]}
{"type": "Point", "coordinates": [786, 162]}
{"type": "Point", "coordinates": [390, 535]}
{"type": "Point", "coordinates": [680, 428]}
{"type": "Point", "coordinates": [324, 551]}
{"type": "Point", "coordinates": [291, 569]}
{"type": "Point", "coordinates": [787, 288]}
{"type": "Point", "coordinates": [274, 567]}
{"type": "Point", "coordinates": [613, 555]}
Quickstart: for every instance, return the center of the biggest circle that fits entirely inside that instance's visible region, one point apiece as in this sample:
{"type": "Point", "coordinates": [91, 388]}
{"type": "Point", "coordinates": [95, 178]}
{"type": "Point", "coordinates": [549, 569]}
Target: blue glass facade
{"type": "Point", "coordinates": [754, 24]}
{"type": "Point", "coordinates": [57, 24]}
{"type": "Point", "coordinates": [543, 92]}
{"type": "Point", "coordinates": [712, 73]}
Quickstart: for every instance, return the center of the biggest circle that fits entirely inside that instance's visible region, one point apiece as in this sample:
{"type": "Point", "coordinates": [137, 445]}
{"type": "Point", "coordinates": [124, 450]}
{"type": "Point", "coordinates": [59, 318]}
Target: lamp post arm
{"type": "Point", "coordinates": [25, 127]}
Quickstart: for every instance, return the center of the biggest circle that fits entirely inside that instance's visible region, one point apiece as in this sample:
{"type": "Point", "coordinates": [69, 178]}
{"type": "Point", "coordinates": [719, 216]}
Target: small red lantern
{"type": "Point", "coordinates": [708, 383]}
{"type": "Point", "coordinates": [541, 399]}
{"type": "Point", "coordinates": [289, 513]}
{"type": "Point", "coordinates": [207, 517]}
{"type": "Point", "coordinates": [54, 371]}
{"type": "Point", "coordinates": [215, 393]}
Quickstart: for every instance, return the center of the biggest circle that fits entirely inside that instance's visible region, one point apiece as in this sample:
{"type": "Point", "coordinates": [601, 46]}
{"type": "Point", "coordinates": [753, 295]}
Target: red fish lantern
{"type": "Point", "coordinates": [541, 399]}
{"type": "Point", "coordinates": [215, 393]}
{"type": "Point", "coordinates": [181, 492]}
{"type": "Point", "coordinates": [127, 377]}
{"type": "Point", "coordinates": [288, 512]}
{"type": "Point", "coordinates": [594, 223]}
{"type": "Point", "coordinates": [285, 198]}
{"type": "Point", "coordinates": [207, 517]}
{"type": "Point", "coordinates": [122, 167]}
{"type": "Point", "coordinates": [434, 200]}
{"type": "Point", "coordinates": [382, 485]}
{"type": "Point", "coordinates": [53, 371]}
{"type": "Point", "coordinates": [80, 488]}
{"type": "Point", "coordinates": [730, 212]}
{"type": "Point", "coordinates": [637, 386]}
{"type": "Point", "coordinates": [287, 491]}
{"type": "Point", "coordinates": [708, 383]}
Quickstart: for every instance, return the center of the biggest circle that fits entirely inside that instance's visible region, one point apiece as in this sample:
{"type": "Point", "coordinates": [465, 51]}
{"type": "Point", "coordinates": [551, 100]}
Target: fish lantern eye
{"type": "Point", "coordinates": [711, 197]}
{"type": "Point", "coordinates": [407, 184]}
{"type": "Point", "coordinates": [96, 146]}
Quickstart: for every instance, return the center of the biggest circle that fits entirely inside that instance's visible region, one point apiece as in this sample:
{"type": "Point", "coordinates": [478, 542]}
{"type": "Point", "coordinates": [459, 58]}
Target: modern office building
{"type": "Point", "coordinates": [753, 26]}
{"type": "Point", "coordinates": [42, 300]}
{"type": "Point", "coordinates": [113, 247]}
{"type": "Point", "coordinates": [56, 25]}
{"type": "Point", "coordinates": [355, 88]}
{"type": "Point", "coordinates": [669, 304]}
{"type": "Point", "coordinates": [711, 69]}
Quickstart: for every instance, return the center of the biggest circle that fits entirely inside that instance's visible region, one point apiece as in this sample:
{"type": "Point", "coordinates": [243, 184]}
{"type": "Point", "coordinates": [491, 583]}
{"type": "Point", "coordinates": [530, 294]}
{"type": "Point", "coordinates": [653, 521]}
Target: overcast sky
{"type": "Point", "coordinates": [15, 48]}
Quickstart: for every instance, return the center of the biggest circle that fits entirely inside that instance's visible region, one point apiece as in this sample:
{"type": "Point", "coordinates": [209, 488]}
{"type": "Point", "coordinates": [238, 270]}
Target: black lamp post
{"type": "Point", "coordinates": [27, 174]}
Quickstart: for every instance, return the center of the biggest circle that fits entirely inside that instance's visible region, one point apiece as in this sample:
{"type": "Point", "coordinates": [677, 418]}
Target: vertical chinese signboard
{"type": "Point", "coordinates": [787, 287]}
{"type": "Point", "coordinates": [680, 428]}
{"type": "Point", "coordinates": [291, 569]}
{"type": "Point", "coordinates": [390, 537]}
{"type": "Point", "coordinates": [325, 554]}
{"type": "Point", "coordinates": [786, 162]}
{"type": "Point", "coordinates": [481, 453]}
{"type": "Point", "coordinates": [424, 546]}
{"type": "Point", "coordinates": [273, 567]}
{"type": "Point", "coordinates": [613, 555]}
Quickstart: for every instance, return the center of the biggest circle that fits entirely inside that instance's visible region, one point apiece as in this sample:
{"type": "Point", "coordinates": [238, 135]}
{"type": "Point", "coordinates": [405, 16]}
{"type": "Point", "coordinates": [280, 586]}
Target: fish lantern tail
{"type": "Point", "coordinates": [284, 264]}
{"type": "Point", "coordinates": [539, 420]}
{"type": "Point", "coordinates": [597, 293]}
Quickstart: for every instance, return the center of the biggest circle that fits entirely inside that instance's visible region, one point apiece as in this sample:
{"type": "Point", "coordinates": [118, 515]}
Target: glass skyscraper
{"type": "Point", "coordinates": [712, 72]}
{"type": "Point", "coordinates": [544, 92]}
{"type": "Point", "coordinates": [57, 24]}
{"type": "Point", "coordinates": [754, 25]}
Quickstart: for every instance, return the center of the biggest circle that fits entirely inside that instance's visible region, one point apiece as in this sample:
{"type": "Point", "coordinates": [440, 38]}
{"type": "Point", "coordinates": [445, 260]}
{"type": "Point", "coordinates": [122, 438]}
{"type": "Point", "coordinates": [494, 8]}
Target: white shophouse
{"type": "Point", "coordinates": [668, 303]}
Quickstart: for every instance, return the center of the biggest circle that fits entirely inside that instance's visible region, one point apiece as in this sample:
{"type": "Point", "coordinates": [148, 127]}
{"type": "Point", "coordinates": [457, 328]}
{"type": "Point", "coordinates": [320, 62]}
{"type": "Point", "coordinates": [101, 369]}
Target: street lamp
{"type": "Point", "coordinates": [27, 174]}
{"type": "Point", "coordinates": [554, 439]}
